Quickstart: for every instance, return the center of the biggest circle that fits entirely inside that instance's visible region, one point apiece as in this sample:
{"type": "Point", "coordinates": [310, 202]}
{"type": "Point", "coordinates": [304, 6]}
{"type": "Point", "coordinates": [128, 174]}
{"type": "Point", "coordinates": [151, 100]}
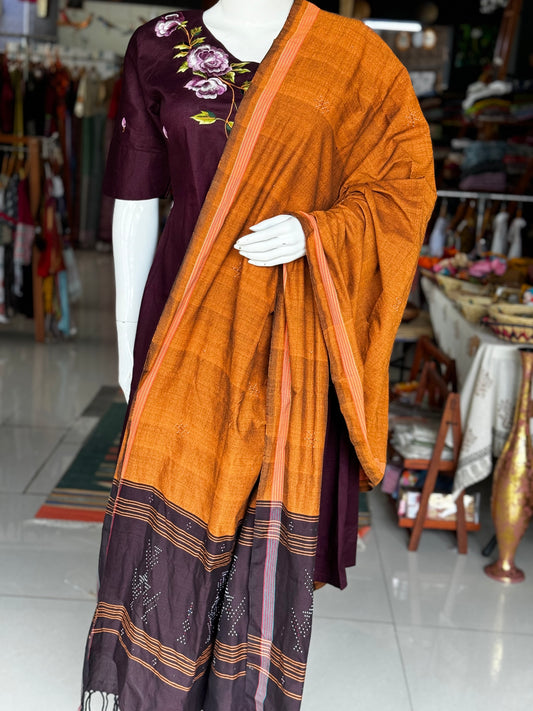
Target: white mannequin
{"type": "Point", "coordinates": [247, 29]}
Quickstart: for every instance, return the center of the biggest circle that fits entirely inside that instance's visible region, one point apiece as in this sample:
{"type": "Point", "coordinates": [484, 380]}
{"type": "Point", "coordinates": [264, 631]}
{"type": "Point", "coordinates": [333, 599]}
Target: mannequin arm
{"type": "Point", "coordinates": [135, 231]}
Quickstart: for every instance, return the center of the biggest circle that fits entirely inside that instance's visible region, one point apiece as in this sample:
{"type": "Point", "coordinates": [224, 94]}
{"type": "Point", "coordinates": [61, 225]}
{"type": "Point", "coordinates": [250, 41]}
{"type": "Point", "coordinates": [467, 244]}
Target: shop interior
{"type": "Point", "coordinates": [437, 612]}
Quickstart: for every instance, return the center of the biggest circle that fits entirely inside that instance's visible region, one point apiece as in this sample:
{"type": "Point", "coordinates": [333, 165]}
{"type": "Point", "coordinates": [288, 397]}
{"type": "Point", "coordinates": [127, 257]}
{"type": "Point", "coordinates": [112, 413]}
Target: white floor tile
{"type": "Point", "coordinates": [81, 428]}
{"type": "Point", "coordinates": [435, 586]}
{"type": "Point", "coordinates": [366, 597]}
{"type": "Point", "coordinates": [54, 468]}
{"type": "Point", "coordinates": [63, 381]}
{"type": "Point", "coordinates": [24, 451]}
{"type": "Point", "coordinates": [41, 655]}
{"type": "Point", "coordinates": [348, 665]}
{"type": "Point", "coordinates": [467, 671]}
{"type": "Point", "coordinates": [43, 558]}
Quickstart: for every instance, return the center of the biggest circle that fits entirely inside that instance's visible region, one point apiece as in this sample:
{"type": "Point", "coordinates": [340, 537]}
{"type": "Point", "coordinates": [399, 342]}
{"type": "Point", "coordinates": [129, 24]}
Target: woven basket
{"type": "Point", "coordinates": [448, 283]}
{"type": "Point", "coordinates": [511, 322]}
{"type": "Point", "coordinates": [512, 313]}
{"type": "Point", "coordinates": [474, 307]}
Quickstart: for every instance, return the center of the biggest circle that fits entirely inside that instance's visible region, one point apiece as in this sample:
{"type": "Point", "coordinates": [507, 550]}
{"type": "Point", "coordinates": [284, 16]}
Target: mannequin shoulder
{"type": "Point", "coordinates": [353, 37]}
{"type": "Point", "coordinates": [357, 49]}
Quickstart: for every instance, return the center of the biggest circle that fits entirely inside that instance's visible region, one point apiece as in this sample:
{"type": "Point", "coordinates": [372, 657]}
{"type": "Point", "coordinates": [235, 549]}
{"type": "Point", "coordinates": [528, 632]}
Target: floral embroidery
{"type": "Point", "coordinates": [207, 88]}
{"type": "Point", "coordinates": [213, 73]}
{"type": "Point", "coordinates": [208, 60]}
{"type": "Point", "coordinates": [123, 124]}
{"type": "Point", "coordinates": [169, 23]}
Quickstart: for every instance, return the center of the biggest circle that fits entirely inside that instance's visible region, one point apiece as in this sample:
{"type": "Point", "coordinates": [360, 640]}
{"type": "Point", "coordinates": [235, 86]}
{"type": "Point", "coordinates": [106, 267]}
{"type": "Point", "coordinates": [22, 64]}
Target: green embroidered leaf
{"type": "Point", "coordinates": [240, 71]}
{"type": "Point", "coordinates": [245, 85]}
{"type": "Point", "coordinates": [179, 55]}
{"type": "Point", "coordinates": [240, 64]}
{"type": "Point", "coordinates": [198, 40]}
{"type": "Point", "coordinates": [195, 31]}
{"type": "Point", "coordinates": [229, 124]}
{"type": "Point", "coordinates": [229, 76]}
{"type": "Point", "coordinates": [181, 46]}
{"type": "Point", "coordinates": [205, 117]}
{"type": "Point", "coordinates": [200, 74]}
{"type": "Point", "coordinates": [183, 67]}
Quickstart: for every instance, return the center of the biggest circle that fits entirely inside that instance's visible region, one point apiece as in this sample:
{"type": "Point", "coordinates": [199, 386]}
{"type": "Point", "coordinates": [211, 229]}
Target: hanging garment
{"type": "Point", "coordinates": [51, 257]}
{"type": "Point", "coordinates": [437, 239]}
{"type": "Point", "coordinates": [63, 324]}
{"type": "Point", "coordinates": [24, 237]}
{"type": "Point", "coordinates": [7, 97]}
{"type": "Point", "coordinates": [9, 211]}
{"type": "Point", "coordinates": [499, 238]}
{"type": "Point", "coordinates": [465, 233]}
{"type": "Point", "coordinates": [514, 238]}
{"type": "Point", "coordinates": [3, 310]}
{"type": "Point", "coordinates": [208, 550]}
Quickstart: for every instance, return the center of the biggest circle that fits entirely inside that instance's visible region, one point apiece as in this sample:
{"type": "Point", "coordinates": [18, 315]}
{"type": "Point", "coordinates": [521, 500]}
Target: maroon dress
{"type": "Point", "coordinates": [170, 132]}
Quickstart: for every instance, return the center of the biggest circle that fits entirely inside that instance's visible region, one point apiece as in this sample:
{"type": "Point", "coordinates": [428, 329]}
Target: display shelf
{"type": "Point", "coordinates": [405, 522]}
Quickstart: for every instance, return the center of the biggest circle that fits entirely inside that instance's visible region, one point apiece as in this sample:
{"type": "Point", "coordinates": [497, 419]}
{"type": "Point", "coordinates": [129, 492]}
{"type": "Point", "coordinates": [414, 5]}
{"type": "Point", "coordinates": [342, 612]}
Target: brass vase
{"type": "Point", "coordinates": [512, 490]}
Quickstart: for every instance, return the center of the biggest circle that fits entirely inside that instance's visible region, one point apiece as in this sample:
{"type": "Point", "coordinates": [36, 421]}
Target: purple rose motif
{"type": "Point", "coordinates": [168, 24]}
{"type": "Point", "coordinates": [208, 60]}
{"type": "Point", "coordinates": [206, 88]}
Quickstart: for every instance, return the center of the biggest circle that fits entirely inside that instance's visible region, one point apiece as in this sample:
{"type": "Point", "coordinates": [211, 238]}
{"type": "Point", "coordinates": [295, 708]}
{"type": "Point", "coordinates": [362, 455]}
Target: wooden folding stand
{"type": "Point", "coordinates": [435, 387]}
{"type": "Point", "coordinates": [427, 351]}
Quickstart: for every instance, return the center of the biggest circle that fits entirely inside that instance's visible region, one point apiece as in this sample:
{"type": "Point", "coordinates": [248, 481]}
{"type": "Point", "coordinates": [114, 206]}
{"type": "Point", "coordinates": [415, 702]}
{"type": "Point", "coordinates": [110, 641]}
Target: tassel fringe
{"type": "Point", "coordinates": [99, 701]}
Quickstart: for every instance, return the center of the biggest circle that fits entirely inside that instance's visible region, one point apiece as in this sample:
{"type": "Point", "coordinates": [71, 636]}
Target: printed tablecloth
{"type": "Point", "coordinates": [488, 373]}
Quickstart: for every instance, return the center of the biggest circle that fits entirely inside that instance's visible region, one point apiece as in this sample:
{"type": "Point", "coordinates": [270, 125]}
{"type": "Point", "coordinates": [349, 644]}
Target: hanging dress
{"type": "Point", "coordinates": [181, 125]}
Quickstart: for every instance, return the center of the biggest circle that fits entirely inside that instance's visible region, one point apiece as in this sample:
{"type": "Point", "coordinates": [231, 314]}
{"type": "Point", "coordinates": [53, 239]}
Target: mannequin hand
{"type": "Point", "coordinates": [278, 240]}
{"type": "Point", "coordinates": [126, 338]}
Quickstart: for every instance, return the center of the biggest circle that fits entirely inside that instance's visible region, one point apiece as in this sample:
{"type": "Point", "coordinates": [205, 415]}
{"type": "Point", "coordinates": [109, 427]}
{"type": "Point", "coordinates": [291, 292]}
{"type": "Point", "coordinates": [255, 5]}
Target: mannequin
{"type": "Point", "coordinates": [260, 356]}
{"type": "Point", "coordinates": [247, 30]}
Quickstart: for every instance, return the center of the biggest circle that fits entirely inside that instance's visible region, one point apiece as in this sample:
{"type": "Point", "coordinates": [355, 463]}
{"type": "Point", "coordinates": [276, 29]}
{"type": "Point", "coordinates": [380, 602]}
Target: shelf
{"type": "Point", "coordinates": [436, 523]}
{"type": "Point", "coordinates": [419, 464]}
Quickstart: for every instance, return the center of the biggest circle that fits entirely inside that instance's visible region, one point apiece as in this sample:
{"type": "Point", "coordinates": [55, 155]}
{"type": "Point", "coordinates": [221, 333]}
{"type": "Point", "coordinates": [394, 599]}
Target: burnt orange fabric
{"type": "Point", "coordinates": [232, 403]}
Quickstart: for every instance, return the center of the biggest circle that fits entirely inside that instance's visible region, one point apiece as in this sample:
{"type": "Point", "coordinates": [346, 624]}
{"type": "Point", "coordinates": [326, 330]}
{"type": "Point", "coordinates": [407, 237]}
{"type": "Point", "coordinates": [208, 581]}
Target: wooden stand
{"type": "Point", "coordinates": [435, 387]}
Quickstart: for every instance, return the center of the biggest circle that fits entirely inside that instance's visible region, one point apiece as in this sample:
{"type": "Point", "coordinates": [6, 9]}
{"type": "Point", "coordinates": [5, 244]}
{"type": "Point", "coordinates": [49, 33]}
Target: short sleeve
{"type": "Point", "coordinates": [137, 161]}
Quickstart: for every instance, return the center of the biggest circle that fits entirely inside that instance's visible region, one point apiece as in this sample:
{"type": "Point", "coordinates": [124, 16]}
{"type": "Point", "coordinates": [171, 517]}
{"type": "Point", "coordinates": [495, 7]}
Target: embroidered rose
{"type": "Point", "coordinates": [206, 88]}
{"type": "Point", "coordinates": [209, 60]}
{"type": "Point", "coordinates": [168, 24]}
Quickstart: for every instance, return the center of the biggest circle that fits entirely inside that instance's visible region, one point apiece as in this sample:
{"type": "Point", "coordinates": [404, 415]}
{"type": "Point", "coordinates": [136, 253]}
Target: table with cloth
{"type": "Point", "coordinates": [488, 373]}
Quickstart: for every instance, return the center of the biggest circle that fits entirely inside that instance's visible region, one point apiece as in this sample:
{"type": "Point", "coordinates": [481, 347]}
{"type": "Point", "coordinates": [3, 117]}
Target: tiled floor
{"type": "Point", "coordinates": [425, 631]}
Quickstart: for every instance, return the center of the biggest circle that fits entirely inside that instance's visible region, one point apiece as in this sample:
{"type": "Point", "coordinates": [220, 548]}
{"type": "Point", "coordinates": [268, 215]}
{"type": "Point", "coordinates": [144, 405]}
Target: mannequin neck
{"type": "Point", "coordinates": [247, 28]}
{"type": "Point", "coordinates": [254, 12]}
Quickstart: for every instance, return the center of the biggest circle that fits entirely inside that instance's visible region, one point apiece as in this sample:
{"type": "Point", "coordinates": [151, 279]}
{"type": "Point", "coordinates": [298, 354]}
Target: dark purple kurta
{"type": "Point", "coordinates": [177, 131]}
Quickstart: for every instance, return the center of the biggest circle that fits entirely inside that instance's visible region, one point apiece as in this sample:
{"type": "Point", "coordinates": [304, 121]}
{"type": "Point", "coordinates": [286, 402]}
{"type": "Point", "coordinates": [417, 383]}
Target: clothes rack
{"type": "Point", "coordinates": [475, 195]}
{"type": "Point", "coordinates": [482, 198]}
{"type": "Point", "coordinates": [106, 62]}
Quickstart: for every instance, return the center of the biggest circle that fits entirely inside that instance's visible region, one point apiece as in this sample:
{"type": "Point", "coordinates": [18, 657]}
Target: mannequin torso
{"type": "Point", "coordinates": [246, 29]}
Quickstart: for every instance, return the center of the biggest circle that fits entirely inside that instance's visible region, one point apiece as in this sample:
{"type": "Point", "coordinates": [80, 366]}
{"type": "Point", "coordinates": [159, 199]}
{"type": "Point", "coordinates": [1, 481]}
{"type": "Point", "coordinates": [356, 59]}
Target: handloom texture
{"type": "Point", "coordinates": [207, 564]}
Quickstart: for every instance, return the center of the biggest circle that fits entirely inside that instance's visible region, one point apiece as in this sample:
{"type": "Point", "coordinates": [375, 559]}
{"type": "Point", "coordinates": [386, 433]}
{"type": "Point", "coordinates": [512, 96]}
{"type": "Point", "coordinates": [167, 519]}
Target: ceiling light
{"type": "Point", "coordinates": [394, 25]}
